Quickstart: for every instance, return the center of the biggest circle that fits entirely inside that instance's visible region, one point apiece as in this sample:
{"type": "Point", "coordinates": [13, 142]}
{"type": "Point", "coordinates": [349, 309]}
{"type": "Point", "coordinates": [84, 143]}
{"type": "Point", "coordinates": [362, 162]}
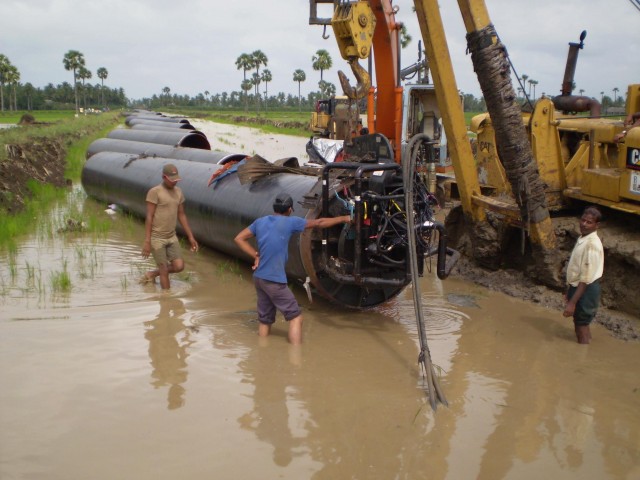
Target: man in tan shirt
{"type": "Point", "coordinates": [584, 270]}
{"type": "Point", "coordinates": [165, 205]}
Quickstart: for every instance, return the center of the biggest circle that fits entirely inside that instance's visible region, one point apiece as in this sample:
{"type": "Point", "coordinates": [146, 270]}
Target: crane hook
{"type": "Point", "coordinates": [363, 78]}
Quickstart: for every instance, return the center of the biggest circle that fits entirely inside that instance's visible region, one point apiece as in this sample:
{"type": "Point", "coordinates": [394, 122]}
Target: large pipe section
{"type": "Point", "coordinates": [157, 118]}
{"type": "Point", "coordinates": [157, 150]}
{"type": "Point", "coordinates": [219, 211]}
{"type": "Point", "coordinates": [144, 121]}
{"type": "Point", "coordinates": [179, 138]}
{"type": "Point", "coordinates": [160, 128]}
{"type": "Point", "coordinates": [359, 265]}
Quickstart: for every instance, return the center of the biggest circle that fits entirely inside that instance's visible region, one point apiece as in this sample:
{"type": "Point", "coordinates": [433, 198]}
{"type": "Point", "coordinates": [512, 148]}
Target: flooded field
{"type": "Point", "coordinates": [104, 378]}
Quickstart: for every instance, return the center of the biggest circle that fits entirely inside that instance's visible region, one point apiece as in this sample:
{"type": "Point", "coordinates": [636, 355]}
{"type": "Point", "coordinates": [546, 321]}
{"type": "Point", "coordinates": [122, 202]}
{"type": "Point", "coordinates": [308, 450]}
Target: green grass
{"type": "Point", "coordinates": [269, 122]}
{"type": "Point", "coordinates": [66, 129]}
{"type": "Point", "coordinates": [78, 133]}
{"type": "Point", "coordinates": [76, 154]}
{"type": "Point", "coordinates": [60, 281]}
{"type": "Point", "coordinates": [44, 196]}
{"type": "Point", "coordinates": [276, 119]}
{"type": "Point", "coordinates": [40, 115]}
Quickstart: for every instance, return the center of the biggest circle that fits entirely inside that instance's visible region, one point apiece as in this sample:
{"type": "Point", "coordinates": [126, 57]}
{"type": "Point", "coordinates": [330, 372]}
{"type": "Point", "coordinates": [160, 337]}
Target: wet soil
{"type": "Point", "coordinates": [42, 161]}
{"type": "Point", "coordinates": [509, 269]}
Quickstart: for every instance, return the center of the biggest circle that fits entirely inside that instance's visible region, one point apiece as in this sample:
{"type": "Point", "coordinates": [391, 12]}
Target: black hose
{"type": "Point", "coordinates": [424, 357]}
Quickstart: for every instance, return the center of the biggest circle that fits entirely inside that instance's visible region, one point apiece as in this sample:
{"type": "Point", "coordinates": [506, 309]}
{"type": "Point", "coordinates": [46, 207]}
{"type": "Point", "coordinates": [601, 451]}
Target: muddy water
{"type": "Point", "coordinates": [117, 380]}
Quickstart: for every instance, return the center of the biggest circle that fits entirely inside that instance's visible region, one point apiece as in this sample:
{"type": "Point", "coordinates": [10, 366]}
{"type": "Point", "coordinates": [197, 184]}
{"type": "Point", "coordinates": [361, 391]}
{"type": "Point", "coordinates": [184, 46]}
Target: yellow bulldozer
{"type": "Point", "coordinates": [580, 154]}
{"type": "Point", "coordinates": [333, 117]}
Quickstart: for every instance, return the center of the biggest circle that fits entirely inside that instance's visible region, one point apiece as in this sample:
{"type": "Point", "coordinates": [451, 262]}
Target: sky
{"type": "Point", "coordinates": [191, 47]}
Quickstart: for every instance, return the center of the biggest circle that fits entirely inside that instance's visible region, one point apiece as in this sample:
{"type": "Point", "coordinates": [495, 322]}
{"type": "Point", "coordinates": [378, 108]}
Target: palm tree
{"type": "Point", "coordinates": [255, 81]}
{"type": "Point", "coordinates": [206, 96]}
{"type": "Point", "coordinates": [581, 91]}
{"type": "Point", "coordinates": [405, 38]}
{"type": "Point", "coordinates": [615, 94]}
{"type": "Point", "coordinates": [84, 74]}
{"type": "Point", "coordinates": [321, 61]}
{"type": "Point", "coordinates": [533, 83]}
{"type": "Point", "coordinates": [246, 86]}
{"type": "Point", "coordinates": [524, 84]}
{"type": "Point", "coordinates": [5, 65]}
{"type": "Point", "coordinates": [72, 61]}
{"type": "Point", "coordinates": [601, 98]}
{"type": "Point", "coordinates": [299, 76]}
{"type": "Point", "coordinates": [327, 89]}
{"type": "Point", "coordinates": [245, 63]}
{"type": "Point", "coordinates": [13, 77]}
{"type": "Point", "coordinates": [259, 59]}
{"type": "Point", "coordinates": [166, 91]}
{"type": "Point", "coordinates": [102, 75]}
{"type": "Point", "coordinates": [29, 89]}
{"type": "Point", "coordinates": [266, 78]}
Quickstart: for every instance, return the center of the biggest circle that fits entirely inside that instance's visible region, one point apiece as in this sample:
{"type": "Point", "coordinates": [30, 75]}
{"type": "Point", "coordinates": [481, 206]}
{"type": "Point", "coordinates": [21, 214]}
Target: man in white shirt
{"type": "Point", "coordinates": [583, 275]}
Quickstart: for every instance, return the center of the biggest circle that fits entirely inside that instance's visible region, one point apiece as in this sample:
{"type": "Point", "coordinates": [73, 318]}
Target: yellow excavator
{"type": "Point", "coordinates": [526, 164]}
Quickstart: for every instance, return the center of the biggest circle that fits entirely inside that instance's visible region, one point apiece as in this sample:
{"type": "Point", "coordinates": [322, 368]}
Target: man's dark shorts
{"type": "Point", "coordinates": [587, 306]}
{"type": "Point", "coordinates": [274, 296]}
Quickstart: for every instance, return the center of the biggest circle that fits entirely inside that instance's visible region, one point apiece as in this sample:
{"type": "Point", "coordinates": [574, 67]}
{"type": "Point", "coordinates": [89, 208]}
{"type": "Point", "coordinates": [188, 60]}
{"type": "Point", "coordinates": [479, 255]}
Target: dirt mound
{"type": "Point", "coordinates": [27, 119]}
{"type": "Point", "coordinates": [42, 160]}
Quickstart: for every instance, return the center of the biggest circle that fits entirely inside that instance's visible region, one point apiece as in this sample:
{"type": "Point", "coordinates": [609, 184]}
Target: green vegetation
{"type": "Point", "coordinates": [45, 116]}
{"type": "Point", "coordinates": [66, 128]}
{"type": "Point", "coordinates": [77, 151]}
{"type": "Point", "coordinates": [42, 196]}
{"type": "Point", "coordinates": [60, 280]}
{"type": "Point", "coordinates": [287, 121]}
{"type": "Point", "coordinates": [15, 95]}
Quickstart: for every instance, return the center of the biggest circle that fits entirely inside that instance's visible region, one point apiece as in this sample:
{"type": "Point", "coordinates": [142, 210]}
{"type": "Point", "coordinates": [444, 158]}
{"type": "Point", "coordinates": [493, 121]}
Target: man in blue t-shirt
{"type": "Point", "coordinates": [272, 234]}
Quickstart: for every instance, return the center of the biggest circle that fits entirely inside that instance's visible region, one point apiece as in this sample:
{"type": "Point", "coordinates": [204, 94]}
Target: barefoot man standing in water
{"type": "Point", "coordinates": [584, 270]}
{"type": "Point", "coordinates": [165, 205]}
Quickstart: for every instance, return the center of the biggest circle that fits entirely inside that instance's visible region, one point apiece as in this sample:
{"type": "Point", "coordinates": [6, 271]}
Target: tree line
{"type": "Point", "coordinates": [15, 95]}
{"type": "Point", "coordinates": [250, 88]}
{"type": "Point", "coordinates": [253, 77]}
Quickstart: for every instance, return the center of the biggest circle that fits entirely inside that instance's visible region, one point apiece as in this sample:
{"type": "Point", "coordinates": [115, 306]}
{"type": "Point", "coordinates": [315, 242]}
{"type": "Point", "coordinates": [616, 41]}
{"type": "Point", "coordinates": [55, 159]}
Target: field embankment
{"type": "Point", "coordinates": [38, 154]}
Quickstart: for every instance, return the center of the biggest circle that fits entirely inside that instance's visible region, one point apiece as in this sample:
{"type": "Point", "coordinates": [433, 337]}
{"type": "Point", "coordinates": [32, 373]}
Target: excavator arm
{"type": "Point", "coordinates": [491, 63]}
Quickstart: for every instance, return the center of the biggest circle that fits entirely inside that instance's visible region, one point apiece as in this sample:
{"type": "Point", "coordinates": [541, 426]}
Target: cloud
{"type": "Point", "coordinates": [192, 46]}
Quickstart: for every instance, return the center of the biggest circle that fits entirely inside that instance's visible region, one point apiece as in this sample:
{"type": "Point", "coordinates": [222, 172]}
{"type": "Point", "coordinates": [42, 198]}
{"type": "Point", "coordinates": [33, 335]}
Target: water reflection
{"type": "Point", "coordinates": [169, 342]}
{"type": "Point", "coordinates": [272, 396]}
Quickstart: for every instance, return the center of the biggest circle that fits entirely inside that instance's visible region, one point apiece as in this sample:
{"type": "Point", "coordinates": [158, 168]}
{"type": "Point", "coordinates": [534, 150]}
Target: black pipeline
{"type": "Point", "coordinates": [179, 138]}
{"type": "Point", "coordinates": [167, 151]}
{"type": "Point", "coordinates": [218, 211]}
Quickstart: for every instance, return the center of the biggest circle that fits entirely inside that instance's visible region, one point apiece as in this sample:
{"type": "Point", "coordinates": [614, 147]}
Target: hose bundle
{"type": "Point", "coordinates": [424, 357]}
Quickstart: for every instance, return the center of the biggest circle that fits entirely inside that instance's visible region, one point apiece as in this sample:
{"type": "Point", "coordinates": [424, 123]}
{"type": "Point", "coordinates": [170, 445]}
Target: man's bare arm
{"type": "Point", "coordinates": [327, 222]}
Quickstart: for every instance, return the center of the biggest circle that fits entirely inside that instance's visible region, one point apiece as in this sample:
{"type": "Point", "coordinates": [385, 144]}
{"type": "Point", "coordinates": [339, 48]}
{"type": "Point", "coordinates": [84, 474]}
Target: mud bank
{"type": "Point", "coordinates": [42, 161]}
{"type": "Point", "coordinates": [515, 274]}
